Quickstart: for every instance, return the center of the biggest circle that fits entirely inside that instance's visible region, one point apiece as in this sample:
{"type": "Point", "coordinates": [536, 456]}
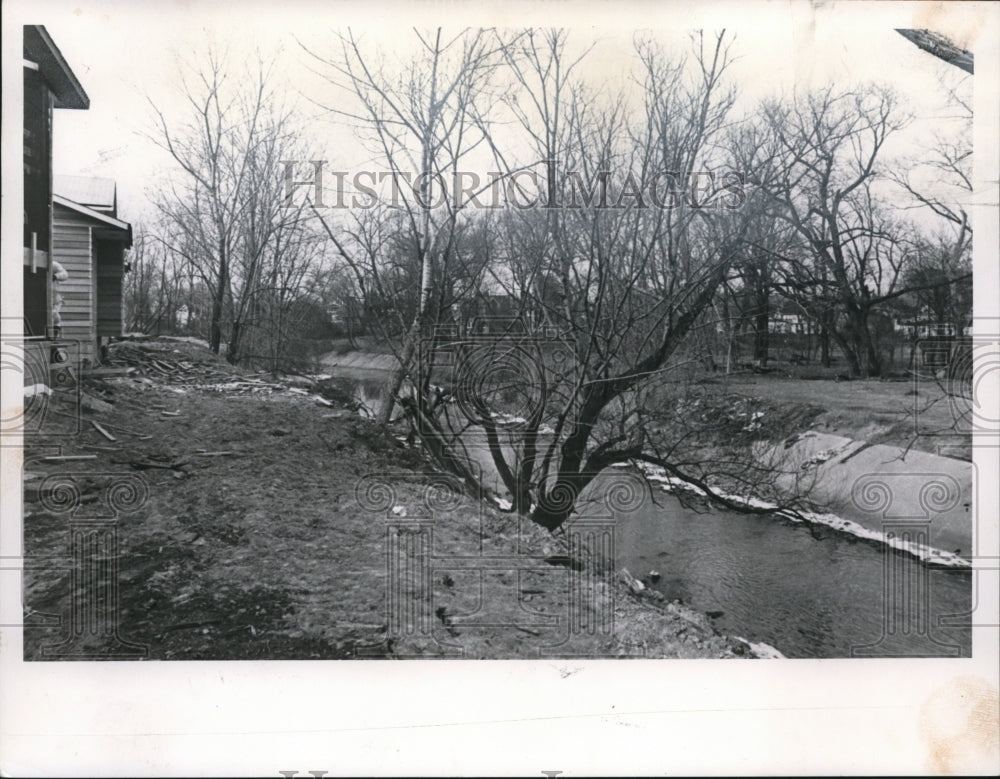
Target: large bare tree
{"type": "Point", "coordinates": [640, 227]}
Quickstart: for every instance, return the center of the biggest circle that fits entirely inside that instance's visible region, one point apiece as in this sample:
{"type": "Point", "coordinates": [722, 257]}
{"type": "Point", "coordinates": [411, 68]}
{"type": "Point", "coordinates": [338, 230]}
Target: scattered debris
{"type": "Point", "coordinates": [168, 465]}
{"type": "Point", "coordinates": [633, 584]}
{"type": "Point", "coordinates": [120, 429]}
{"type": "Point", "coordinates": [90, 403]}
{"type": "Point", "coordinates": [37, 389]}
{"type": "Point", "coordinates": [447, 620]}
{"type": "Point", "coordinates": [102, 431]}
{"type": "Point", "coordinates": [108, 372]}
{"type": "Point", "coordinates": [159, 360]}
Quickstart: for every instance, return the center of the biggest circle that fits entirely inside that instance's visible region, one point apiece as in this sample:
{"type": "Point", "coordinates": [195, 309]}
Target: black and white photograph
{"type": "Point", "coordinates": [609, 341]}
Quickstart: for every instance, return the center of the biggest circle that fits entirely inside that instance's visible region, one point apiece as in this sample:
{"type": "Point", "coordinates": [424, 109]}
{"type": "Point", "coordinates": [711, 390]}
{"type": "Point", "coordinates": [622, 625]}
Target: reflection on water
{"type": "Point", "coordinates": [810, 592]}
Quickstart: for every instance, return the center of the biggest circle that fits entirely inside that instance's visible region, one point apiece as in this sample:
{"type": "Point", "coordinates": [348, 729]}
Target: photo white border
{"type": "Point", "coordinates": [521, 717]}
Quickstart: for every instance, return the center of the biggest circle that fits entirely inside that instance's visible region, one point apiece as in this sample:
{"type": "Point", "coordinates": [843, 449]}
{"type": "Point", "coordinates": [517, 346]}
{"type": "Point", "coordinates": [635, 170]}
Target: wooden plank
{"type": "Point", "coordinates": [102, 431]}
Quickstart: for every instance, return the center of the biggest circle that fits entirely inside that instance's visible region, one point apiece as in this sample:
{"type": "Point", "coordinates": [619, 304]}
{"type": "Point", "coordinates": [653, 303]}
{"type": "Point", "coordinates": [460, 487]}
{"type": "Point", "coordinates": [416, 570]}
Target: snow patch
{"type": "Point", "coordinates": [764, 651]}
{"type": "Point", "coordinates": [927, 554]}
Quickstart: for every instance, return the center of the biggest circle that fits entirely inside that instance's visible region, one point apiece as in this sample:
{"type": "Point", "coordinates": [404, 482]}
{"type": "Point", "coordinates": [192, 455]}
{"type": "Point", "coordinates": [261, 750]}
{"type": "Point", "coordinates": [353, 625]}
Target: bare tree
{"type": "Point", "coordinates": [156, 290]}
{"type": "Point", "coordinates": [939, 181]}
{"type": "Point", "coordinates": [224, 211]}
{"type": "Point", "coordinates": [419, 122]}
{"type": "Point", "coordinates": [830, 144]}
{"type": "Point", "coordinates": [623, 283]}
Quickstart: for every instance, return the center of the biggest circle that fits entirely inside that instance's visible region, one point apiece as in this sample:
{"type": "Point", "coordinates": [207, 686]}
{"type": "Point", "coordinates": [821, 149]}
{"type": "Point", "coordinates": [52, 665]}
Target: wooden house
{"type": "Point", "coordinates": [49, 83]}
{"type": "Point", "coordinates": [70, 224]}
{"type": "Point", "coordinates": [89, 242]}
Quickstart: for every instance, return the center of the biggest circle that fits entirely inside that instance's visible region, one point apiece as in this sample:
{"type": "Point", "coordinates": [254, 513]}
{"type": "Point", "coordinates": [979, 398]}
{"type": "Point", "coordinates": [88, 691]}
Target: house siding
{"type": "Point", "coordinates": [72, 247]}
{"type": "Point", "coordinates": [110, 257]}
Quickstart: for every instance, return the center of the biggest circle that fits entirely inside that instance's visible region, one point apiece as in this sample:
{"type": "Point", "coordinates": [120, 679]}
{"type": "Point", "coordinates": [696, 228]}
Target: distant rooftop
{"type": "Point", "coordinates": [96, 193]}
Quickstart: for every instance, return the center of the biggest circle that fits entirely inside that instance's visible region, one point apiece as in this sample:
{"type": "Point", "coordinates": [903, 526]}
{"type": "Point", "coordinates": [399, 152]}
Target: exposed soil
{"type": "Point", "coordinates": [280, 526]}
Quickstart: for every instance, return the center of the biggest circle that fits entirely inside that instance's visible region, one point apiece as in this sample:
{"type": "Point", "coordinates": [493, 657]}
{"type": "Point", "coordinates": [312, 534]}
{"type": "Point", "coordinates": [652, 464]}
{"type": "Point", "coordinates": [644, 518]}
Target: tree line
{"type": "Point", "coordinates": [591, 311]}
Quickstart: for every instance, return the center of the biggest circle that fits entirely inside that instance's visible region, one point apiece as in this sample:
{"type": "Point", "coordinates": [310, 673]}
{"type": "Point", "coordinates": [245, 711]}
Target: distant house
{"type": "Point", "coordinates": [925, 326]}
{"type": "Point", "coordinates": [789, 317]}
{"type": "Point", "coordinates": [89, 242]}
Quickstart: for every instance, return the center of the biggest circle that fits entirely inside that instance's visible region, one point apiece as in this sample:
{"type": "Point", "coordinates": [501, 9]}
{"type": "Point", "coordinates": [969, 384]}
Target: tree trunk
{"type": "Point", "coordinates": [215, 338]}
{"type": "Point", "coordinates": [862, 352]}
{"type": "Point", "coordinates": [824, 344]}
{"type": "Point", "coordinates": [235, 336]}
{"type": "Point", "coordinates": [396, 379]}
{"type": "Point", "coordinates": [848, 348]}
{"type": "Point", "coordinates": [761, 342]}
{"type": "Point", "coordinates": [873, 359]}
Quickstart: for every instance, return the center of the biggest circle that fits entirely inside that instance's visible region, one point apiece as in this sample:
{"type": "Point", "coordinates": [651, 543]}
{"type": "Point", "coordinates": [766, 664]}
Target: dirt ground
{"type": "Point", "coordinates": [271, 523]}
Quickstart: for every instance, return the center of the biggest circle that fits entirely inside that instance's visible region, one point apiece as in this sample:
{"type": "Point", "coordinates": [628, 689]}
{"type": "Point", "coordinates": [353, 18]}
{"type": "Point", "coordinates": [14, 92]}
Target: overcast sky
{"type": "Point", "coordinates": [124, 53]}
